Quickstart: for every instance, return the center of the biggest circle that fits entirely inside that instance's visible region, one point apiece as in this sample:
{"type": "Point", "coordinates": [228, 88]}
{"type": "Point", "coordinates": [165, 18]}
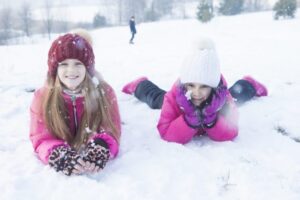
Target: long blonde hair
{"type": "Point", "coordinates": [97, 111]}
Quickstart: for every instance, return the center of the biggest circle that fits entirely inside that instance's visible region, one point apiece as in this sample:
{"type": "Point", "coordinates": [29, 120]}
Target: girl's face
{"type": "Point", "coordinates": [199, 92]}
{"type": "Point", "coordinates": [71, 73]}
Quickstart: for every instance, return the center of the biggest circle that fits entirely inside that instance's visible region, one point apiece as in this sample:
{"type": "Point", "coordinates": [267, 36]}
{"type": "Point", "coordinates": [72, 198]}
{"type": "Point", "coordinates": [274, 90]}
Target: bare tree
{"type": "Point", "coordinates": [180, 4]}
{"type": "Point", "coordinates": [25, 18]}
{"type": "Point", "coordinates": [120, 11]}
{"type": "Point", "coordinates": [134, 7]}
{"type": "Point", "coordinates": [163, 7]}
{"type": "Point", "coordinates": [62, 21]}
{"type": "Point", "coordinates": [151, 14]}
{"type": "Point", "coordinates": [5, 24]}
{"type": "Point", "coordinates": [48, 18]}
{"type": "Point", "coordinates": [254, 5]}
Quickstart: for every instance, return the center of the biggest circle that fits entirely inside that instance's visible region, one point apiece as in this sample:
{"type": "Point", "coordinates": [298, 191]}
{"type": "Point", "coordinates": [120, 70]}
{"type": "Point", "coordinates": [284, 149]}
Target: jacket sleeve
{"type": "Point", "coordinates": [105, 133]}
{"type": "Point", "coordinates": [42, 140]}
{"type": "Point", "coordinates": [226, 127]}
{"type": "Point", "coordinates": [172, 126]}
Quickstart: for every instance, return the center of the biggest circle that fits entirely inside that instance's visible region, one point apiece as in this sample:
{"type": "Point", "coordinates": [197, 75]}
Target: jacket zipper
{"type": "Point", "coordinates": [73, 98]}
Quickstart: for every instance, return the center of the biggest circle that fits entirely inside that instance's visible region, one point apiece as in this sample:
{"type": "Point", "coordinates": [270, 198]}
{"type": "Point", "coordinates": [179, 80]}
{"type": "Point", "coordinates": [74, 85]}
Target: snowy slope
{"type": "Point", "coordinates": [263, 162]}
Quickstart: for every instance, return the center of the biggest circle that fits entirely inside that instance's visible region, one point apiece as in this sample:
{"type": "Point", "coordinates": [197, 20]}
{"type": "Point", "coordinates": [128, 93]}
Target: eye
{"type": "Point", "coordinates": [205, 86]}
{"type": "Point", "coordinates": [62, 64]}
{"type": "Point", "coordinates": [78, 64]}
{"type": "Point", "coordinates": [190, 85]}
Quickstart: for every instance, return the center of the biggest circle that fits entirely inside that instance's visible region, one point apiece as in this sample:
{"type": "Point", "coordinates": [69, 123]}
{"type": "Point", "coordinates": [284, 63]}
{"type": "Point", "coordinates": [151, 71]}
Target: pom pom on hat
{"type": "Point", "coordinates": [83, 33]}
{"type": "Point", "coordinates": [71, 46]}
{"type": "Point", "coordinates": [202, 64]}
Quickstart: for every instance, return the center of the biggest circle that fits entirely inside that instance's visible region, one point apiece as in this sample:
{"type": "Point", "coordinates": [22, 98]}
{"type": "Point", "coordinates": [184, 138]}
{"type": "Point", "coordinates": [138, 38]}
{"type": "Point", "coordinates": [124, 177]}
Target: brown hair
{"type": "Point", "coordinates": [97, 111]}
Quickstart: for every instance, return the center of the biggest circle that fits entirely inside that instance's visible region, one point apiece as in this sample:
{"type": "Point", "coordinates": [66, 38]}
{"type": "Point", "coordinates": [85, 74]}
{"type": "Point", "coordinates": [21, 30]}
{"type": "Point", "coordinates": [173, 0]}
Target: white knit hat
{"type": "Point", "coordinates": [202, 65]}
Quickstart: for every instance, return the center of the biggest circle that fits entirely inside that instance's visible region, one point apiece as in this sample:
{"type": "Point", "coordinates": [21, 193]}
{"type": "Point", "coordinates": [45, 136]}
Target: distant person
{"type": "Point", "coordinates": [75, 121]}
{"type": "Point", "coordinates": [132, 29]}
{"type": "Point", "coordinates": [199, 102]}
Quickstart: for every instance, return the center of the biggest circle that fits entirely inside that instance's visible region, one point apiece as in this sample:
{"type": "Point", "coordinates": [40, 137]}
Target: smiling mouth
{"type": "Point", "coordinates": [194, 99]}
{"type": "Point", "coordinates": [71, 77]}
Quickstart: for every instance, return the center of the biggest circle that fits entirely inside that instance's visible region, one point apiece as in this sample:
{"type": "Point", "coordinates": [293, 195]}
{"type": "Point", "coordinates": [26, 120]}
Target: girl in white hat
{"type": "Point", "coordinates": [199, 102]}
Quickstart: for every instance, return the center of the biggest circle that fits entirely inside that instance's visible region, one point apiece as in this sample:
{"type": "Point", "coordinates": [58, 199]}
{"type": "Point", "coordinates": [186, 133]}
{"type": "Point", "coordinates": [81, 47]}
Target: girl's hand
{"type": "Point", "coordinates": [191, 113]}
{"type": "Point", "coordinates": [79, 168]}
{"type": "Point", "coordinates": [92, 168]}
{"type": "Point", "coordinates": [96, 155]}
{"type": "Point", "coordinates": [66, 160]}
{"type": "Point", "coordinates": [214, 105]}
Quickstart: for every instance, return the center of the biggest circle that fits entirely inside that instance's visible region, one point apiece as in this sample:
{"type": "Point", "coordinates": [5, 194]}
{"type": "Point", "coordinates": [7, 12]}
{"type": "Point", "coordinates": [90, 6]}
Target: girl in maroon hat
{"type": "Point", "coordinates": [75, 122]}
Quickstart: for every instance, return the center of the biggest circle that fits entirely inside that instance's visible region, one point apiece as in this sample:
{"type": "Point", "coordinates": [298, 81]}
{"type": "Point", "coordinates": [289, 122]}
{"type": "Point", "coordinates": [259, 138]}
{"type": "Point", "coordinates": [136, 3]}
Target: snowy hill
{"type": "Point", "coordinates": [262, 163]}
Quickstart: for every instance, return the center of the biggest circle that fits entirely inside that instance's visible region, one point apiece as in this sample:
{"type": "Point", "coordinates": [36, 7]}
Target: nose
{"type": "Point", "coordinates": [71, 68]}
{"type": "Point", "coordinates": [197, 93]}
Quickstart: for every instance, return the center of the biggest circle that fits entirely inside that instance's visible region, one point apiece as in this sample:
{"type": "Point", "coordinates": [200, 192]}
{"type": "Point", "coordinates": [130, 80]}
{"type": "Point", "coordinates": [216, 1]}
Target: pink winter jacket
{"type": "Point", "coordinates": [173, 128]}
{"type": "Point", "coordinates": [44, 142]}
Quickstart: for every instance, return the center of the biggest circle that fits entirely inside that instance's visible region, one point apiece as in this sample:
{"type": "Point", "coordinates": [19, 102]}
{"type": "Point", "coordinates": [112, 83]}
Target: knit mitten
{"type": "Point", "coordinates": [64, 159]}
{"type": "Point", "coordinates": [97, 152]}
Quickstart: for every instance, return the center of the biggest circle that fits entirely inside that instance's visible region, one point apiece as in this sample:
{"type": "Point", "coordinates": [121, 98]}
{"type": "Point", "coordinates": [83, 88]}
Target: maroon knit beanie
{"type": "Point", "coordinates": [71, 46]}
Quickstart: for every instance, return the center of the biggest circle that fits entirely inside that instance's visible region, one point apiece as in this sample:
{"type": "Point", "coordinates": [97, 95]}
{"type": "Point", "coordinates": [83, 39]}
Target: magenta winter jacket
{"type": "Point", "coordinates": [173, 128]}
{"type": "Point", "coordinates": [44, 142]}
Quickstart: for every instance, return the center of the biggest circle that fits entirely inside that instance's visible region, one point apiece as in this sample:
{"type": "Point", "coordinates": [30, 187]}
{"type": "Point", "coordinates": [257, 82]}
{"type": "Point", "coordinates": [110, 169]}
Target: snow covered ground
{"type": "Point", "coordinates": [263, 162]}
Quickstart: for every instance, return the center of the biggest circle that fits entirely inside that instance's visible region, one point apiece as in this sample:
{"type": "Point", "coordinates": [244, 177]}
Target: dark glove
{"type": "Point", "coordinates": [214, 104]}
{"type": "Point", "coordinates": [97, 152]}
{"type": "Point", "coordinates": [191, 113]}
{"type": "Point", "coordinates": [63, 158]}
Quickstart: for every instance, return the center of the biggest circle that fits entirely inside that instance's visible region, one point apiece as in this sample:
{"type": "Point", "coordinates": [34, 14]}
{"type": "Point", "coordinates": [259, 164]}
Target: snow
{"type": "Point", "coordinates": [263, 162]}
